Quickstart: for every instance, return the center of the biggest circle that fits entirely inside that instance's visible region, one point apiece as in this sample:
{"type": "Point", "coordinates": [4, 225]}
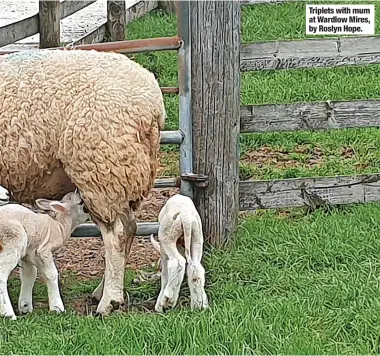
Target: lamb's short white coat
{"type": "Point", "coordinates": [4, 196]}
{"type": "Point", "coordinates": [180, 223]}
{"type": "Point", "coordinates": [29, 239]}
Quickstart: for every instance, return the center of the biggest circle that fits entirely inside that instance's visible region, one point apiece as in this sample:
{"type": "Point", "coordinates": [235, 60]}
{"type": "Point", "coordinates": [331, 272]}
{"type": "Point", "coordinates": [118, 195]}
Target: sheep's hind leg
{"type": "Point", "coordinates": [117, 243]}
{"type": "Point", "coordinates": [28, 275]}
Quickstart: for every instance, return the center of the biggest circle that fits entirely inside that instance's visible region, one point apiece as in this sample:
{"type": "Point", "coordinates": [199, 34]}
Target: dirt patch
{"type": "Point", "coordinates": [301, 155]}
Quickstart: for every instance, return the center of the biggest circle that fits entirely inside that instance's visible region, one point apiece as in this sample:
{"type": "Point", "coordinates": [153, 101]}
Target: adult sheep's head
{"type": "Point", "coordinates": [71, 206]}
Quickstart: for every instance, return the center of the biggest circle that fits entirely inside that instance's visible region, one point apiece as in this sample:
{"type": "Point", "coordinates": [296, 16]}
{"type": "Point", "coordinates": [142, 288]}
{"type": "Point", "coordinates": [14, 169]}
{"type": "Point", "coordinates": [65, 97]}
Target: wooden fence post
{"type": "Point", "coordinates": [49, 23]}
{"type": "Point", "coordinates": [116, 20]}
{"type": "Point", "coordinates": [215, 92]}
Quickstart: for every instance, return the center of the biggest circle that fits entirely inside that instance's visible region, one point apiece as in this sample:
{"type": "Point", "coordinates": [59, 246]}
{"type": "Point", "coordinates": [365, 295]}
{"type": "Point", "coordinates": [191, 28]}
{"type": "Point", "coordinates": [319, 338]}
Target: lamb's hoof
{"type": "Point", "coordinates": [25, 308]}
{"type": "Point", "coordinates": [198, 305]}
{"type": "Point", "coordinates": [57, 309]}
{"type": "Point", "coordinates": [10, 316]}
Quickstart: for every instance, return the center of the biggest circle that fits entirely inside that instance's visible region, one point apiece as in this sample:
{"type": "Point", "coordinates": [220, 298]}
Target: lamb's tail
{"type": "Point", "coordinates": [187, 230]}
{"type": "Point", "coordinates": [155, 243]}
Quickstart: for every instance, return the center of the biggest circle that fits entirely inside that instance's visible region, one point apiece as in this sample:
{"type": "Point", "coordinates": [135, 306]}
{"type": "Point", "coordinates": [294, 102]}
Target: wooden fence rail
{"type": "Point", "coordinates": [47, 22]}
{"type": "Point", "coordinates": [310, 53]}
{"type": "Point", "coordinates": [310, 116]}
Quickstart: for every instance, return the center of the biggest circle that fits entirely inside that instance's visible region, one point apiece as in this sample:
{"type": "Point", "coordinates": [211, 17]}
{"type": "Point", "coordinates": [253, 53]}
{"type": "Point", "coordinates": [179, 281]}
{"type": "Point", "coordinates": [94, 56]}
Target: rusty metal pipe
{"type": "Point", "coordinates": [126, 47]}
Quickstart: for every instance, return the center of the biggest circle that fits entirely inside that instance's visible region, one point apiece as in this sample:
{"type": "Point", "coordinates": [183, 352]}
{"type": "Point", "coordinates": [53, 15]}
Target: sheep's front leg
{"type": "Point", "coordinates": [28, 275]}
{"type": "Point", "coordinates": [50, 273]}
{"type": "Point", "coordinates": [117, 243]}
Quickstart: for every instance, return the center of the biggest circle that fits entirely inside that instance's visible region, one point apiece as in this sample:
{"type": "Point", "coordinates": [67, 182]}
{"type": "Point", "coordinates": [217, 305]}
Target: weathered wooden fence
{"type": "Point", "coordinates": [47, 22]}
{"type": "Point", "coordinates": [211, 58]}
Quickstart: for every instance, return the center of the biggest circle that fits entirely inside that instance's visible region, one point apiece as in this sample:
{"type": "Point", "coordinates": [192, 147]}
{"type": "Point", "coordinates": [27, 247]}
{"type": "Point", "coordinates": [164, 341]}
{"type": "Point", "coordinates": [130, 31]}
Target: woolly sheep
{"type": "Point", "coordinates": [180, 224]}
{"type": "Point", "coordinates": [89, 120]}
{"type": "Point", "coordinates": [32, 238]}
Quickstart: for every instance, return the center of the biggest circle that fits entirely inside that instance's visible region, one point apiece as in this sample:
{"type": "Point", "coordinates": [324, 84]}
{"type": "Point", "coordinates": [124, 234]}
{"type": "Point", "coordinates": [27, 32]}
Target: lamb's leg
{"type": "Point", "coordinates": [196, 282]}
{"type": "Point", "coordinates": [117, 243]}
{"type": "Point", "coordinates": [8, 263]}
{"type": "Point", "coordinates": [195, 270]}
{"type": "Point", "coordinates": [28, 275]}
{"type": "Point", "coordinates": [160, 303]}
{"type": "Point", "coordinates": [175, 265]}
{"type": "Point", "coordinates": [98, 291]}
{"type": "Point", "coordinates": [50, 273]}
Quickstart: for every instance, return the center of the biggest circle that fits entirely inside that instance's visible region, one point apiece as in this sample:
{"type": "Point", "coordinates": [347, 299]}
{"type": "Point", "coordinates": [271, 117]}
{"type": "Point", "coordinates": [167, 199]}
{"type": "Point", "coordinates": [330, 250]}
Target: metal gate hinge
{"type": "Point", "coordinates": [199, 180]}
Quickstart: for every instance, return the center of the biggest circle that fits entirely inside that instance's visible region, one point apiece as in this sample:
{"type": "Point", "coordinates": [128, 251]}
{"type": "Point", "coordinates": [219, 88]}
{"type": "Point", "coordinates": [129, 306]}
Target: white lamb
{"type": "Point", "coordinates": [30, 238]}
{"type": "Point", "coordinates": [4, 196]}
{"type": "Point", "coordinates": [180, 224]}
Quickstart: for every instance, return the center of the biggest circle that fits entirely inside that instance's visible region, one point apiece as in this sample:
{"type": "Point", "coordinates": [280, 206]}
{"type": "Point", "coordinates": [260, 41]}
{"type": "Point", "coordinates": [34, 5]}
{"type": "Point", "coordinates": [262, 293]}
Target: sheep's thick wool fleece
{"type": "Point", "coordinates": [82, 117]}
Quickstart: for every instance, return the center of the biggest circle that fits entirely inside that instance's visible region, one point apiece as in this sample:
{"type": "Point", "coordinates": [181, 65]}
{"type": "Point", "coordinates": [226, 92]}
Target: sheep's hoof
{"type": "Point", "coordinates": [112, 306]}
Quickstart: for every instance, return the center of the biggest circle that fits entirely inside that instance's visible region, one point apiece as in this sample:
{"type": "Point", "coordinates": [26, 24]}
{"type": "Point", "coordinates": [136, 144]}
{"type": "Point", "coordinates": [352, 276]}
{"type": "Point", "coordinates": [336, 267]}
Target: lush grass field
{"type": "Point", "coordinates": [292, 283]}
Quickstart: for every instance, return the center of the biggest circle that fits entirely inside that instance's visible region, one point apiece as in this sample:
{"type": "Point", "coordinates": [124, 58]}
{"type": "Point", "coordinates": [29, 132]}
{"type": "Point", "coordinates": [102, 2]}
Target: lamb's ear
{"type": "Point", "coordinates": [43, 204]}
{"type": "Point", "coordinates": [58, 207]}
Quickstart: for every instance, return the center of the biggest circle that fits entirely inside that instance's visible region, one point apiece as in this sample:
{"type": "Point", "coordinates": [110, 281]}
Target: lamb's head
{"type": "Point", "coordinates": [4, 195]}
{"type": "Point", "coordinates": [71, 206]}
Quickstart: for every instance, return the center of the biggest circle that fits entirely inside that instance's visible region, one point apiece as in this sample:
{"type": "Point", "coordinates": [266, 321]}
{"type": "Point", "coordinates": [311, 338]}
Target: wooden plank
{"type": "Point", "coordinates": [140, 9]}
{"type": "Point", "coordinates": [18, 30]}
{"type": "Point", "coordinates": [310, 116]}
{"type": "Point", "coordinates": [215, 93]}
{"type": "Point", "coordinates": [257, 2]}
{"type": "Point", "coordinates": [49, 23]}
{"type": "Point", "coordinates": [95, 36]}
{"type": "Point", "coordinates": [30, 26]}
{"type": "Point", "coordinates": [116, 20]}
{"type": "Point", "coordinates": [69, 7]}
{"type": "Point", "coordinates": [312, 192]}
{"type": "Point", "coordinates": [310, 53]}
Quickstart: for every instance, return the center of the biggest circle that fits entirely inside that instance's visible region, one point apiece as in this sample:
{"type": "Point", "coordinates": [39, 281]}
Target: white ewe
{"type": "Point", "coordinates": [83, 119]}
{"type": "Point", "coordinates": [30, 238]}
{"type": "Point", "coordinates": [180, 224]}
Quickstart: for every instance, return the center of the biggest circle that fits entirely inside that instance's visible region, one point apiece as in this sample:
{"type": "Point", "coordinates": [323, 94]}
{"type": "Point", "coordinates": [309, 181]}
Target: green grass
{"type": "Point", "coordinates": [291, 283]}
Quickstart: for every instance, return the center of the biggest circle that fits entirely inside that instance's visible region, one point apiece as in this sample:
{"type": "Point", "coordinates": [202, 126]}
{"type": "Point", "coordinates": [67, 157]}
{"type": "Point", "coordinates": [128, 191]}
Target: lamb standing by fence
{"type": "Point", "coordinates": [180, 223]}
{"type": "Point", "coordinates": [32, 238]}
